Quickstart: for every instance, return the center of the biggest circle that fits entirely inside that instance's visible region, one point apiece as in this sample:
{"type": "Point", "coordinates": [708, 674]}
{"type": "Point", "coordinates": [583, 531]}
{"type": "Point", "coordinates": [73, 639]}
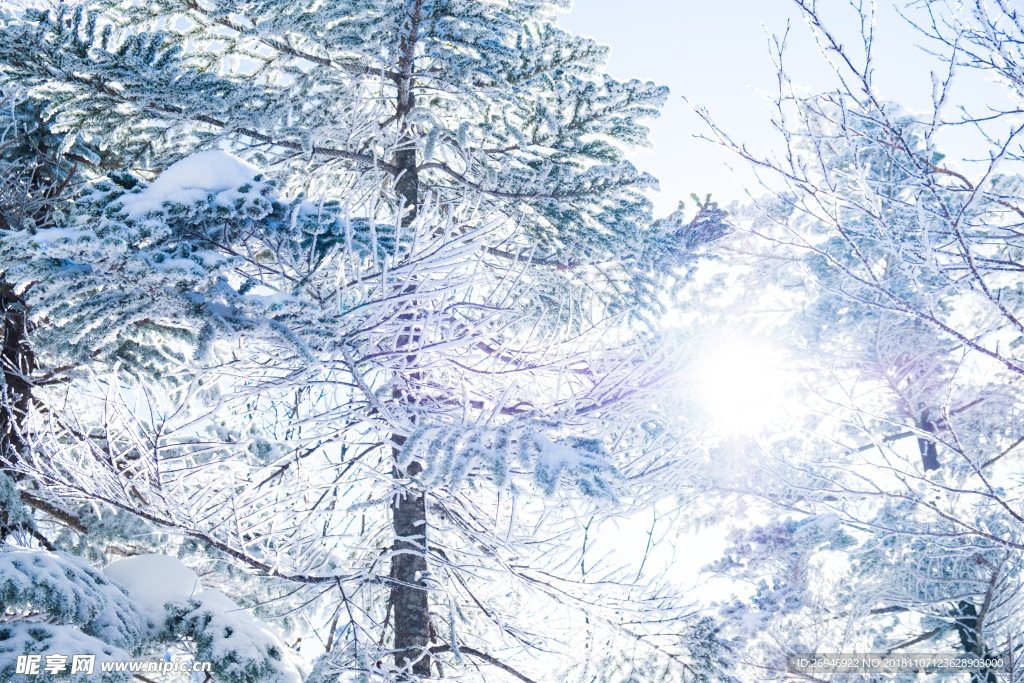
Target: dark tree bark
{"type": "Point", "coordinates": [409, 598]}
{"type": "Point", "coordinates": [18, 364]}
{"type": "Point", "coordinates": [408, 183]}
{"type": "Point", "coordinates": [15, 393]}
{"type": "Point", "coordinates": [410, 601]}
{"type": "Point", "coordinates": [966, 625]}
{"type": "Point", "coordinates": [927, 447]}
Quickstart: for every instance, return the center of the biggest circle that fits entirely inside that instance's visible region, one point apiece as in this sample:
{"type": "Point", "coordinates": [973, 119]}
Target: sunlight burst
{"type": "Point", "coordinates": [741, 383]}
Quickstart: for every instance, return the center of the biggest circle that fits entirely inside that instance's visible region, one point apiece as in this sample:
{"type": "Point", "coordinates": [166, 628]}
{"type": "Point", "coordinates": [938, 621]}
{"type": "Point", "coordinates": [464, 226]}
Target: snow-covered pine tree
{"type": "Point", "coordinates": [337, 126]}
{"type": "Point", "coordinates": [54, 604]}
{"type": "Point", "coordinates": [29, 179]}
{"type": "Point", "coordinates": [376, 103]}
{"type": "Point", "coordinates": [34, 179]}
{"type": "Point", "coordinates": [296, 395]}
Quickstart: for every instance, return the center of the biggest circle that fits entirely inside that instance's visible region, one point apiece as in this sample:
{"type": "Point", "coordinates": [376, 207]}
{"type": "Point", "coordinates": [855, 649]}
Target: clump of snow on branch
{"type": "Point", "coordinates": [191, 180]}
{"type": "Point", "coordinates": [58, 604]}
{"type": "Point", "coordinates": [238, 646]}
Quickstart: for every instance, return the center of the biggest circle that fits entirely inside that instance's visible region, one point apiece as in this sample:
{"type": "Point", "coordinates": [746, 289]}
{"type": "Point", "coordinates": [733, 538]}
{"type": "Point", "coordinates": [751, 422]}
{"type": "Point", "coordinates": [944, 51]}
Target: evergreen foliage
{"type": "Point", "coordinates": [489, 99]}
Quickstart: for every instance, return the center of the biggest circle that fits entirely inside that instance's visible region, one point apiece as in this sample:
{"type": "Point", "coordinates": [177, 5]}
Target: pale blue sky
{"type": "Point", "coordinates": [716, 54]}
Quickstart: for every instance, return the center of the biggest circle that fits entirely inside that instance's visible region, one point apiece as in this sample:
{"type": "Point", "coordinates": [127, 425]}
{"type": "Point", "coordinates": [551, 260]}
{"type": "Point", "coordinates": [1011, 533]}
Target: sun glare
{"type": "Point", "coordinates": [741, 384]}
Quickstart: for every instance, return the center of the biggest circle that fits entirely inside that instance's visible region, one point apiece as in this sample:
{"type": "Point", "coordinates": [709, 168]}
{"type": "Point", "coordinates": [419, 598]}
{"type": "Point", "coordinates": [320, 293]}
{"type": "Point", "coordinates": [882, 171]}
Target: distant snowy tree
{"type": "Point", "coordinates": [892, 274]}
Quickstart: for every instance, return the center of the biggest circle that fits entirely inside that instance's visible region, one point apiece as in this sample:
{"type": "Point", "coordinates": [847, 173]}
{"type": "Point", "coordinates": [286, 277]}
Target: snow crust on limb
{"type": "Point", "coordinates": [71, 592]}
{"type": "Point", "coordinates": [153, 580]}
{"type": "Point", "coordinates": [31, 637]}
{"type": "Point", "coordinates": [239, 646]}
{"type": "Point", "coordinates": [58, 604]}
{"type": "Point", "coordinates": [64, 606]}
{"type": "Point", "coordinates": [191, 180]}
{"type": "Point", "coordinates": [451, 453]}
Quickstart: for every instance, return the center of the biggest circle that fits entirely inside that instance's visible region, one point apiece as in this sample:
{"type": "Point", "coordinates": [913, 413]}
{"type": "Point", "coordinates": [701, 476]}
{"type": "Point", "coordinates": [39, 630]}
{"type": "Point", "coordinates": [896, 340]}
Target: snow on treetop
{"type": "Point", "coordinates": [190, 180]}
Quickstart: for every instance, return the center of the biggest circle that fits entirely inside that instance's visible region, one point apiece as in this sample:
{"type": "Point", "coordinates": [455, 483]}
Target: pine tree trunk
{"type": "Point", "coordinates": [969, 630]}
{"type": "Point", "coordinates": [410, 601]}
{"type": "Point", "coordinates": [408, 184]}
{"type": "Point", "coordinates": [15, 390]}
{"type": "Point", "coordinates": [929, 451]}
{"type": "Point", "coordinates": [409, 598]}
{"type": "Point", "coordinates": [18, 363]}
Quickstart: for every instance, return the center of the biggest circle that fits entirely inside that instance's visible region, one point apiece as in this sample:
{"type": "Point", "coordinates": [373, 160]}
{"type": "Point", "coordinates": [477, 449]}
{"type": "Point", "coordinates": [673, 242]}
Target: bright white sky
{"type": "Point", "coordinates": [716, 54]}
